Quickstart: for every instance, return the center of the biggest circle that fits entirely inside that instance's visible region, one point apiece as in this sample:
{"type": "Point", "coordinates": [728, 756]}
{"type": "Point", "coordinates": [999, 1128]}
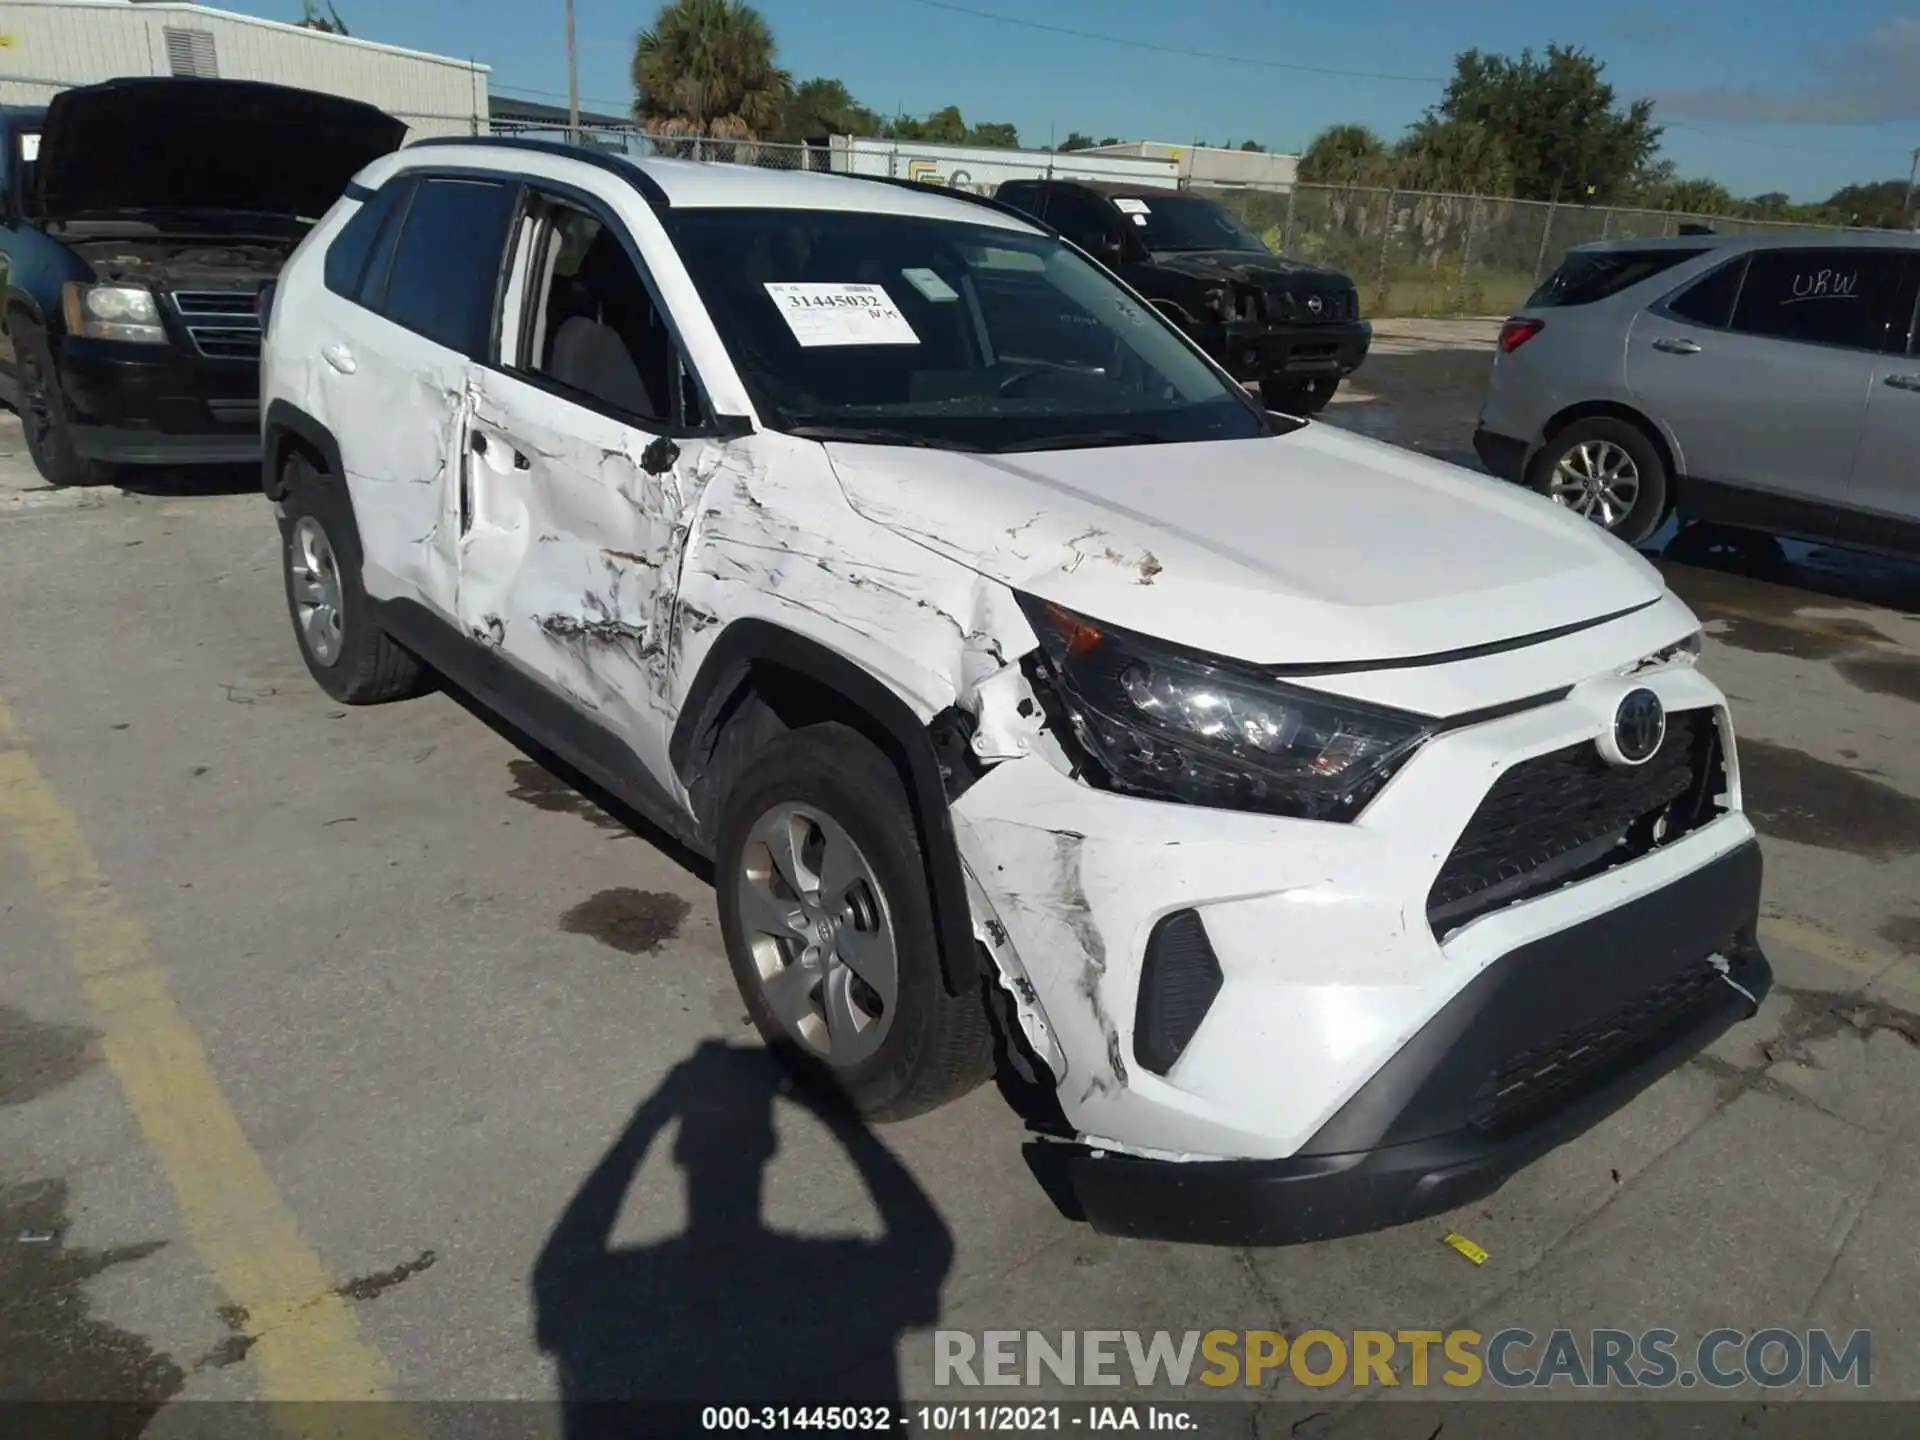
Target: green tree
{"type": "Point", "coordinates": [1880, 204]}
{"type": "Point", "coordinates": [1701, 197]}
{"type": "Point", "coordinates": [1453, 156]}
{"type": "Point", "coordinates": [707, 68]}
{"type": "Point", "coordinates": [945, 126]}
{"type": "Point", "coordinates": [1562, 130]}
{"type": "Point", "coordinates": [1346, 155]}
{"type": "Point", "coordinates": [818, 108]}
{"type": "Point", "coordinates": [994, 133]}
{"type": "Point", "coordinates": [329, 23]}
{"type": "Point", "coordinates": [1076, 141]}
{"type": "Point", "coordinates": [1254, 146]}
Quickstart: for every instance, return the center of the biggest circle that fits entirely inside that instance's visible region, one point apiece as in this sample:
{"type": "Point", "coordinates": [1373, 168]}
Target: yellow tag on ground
{"type": "Point", "coordinates": [1465, 1246]}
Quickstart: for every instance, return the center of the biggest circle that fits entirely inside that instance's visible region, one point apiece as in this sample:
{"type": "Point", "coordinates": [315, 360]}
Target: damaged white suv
{"type": "Point", "coordinates": [1330, 830]}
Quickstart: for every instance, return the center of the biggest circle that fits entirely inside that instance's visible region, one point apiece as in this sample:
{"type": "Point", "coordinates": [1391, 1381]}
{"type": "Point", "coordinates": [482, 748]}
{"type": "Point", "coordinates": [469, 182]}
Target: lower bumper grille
{"type": "Point", "coordinates": [1565, 816]}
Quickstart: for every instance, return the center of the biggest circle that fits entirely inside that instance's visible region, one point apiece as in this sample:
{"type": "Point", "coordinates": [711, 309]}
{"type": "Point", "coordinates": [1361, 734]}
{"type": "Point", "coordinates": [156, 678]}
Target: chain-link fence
{"type": "Point", "coordinates": [1414, 253]}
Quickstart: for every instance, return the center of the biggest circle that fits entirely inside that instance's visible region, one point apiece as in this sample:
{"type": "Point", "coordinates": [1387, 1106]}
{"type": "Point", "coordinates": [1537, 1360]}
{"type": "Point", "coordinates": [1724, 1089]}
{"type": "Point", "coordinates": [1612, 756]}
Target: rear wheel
{"type": "Point", "coordinates": [1297, 397]}
{"type": "Point", "coordinates": [43, 415]}
{"type": "Point", "coordinates": [824, 909]}
{"type": "Point", "coordinates": [1606, 470]}
{"type": "Point", "coordinates": [355, 661]}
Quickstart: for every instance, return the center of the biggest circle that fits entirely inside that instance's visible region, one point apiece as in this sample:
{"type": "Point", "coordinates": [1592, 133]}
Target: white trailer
{"type": "Point", "coordinates": [51, 45]}
{"type": "Point", "coordinates": [981, 168]}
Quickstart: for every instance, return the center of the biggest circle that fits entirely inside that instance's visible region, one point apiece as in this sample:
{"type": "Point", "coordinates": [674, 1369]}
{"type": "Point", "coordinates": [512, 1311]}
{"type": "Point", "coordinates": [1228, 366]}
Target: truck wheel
{"type": "Point", "coordinates": [43, 415]}
{"type": "Point", "coordinates": [355, 661]}
{"type": "Point", "coordinates": [1606, 469]}
{"type": "Point", "coordinates": [1297, 397]}
{"type": "Point", "coordinates": [824, 909]}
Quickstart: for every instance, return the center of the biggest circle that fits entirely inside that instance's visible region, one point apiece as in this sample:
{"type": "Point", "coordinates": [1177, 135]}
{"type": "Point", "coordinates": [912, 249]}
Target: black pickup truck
{"type": "Point", "coordinates": [139, 221]}
{"type": "Point", "coordinates": [1294, 328]}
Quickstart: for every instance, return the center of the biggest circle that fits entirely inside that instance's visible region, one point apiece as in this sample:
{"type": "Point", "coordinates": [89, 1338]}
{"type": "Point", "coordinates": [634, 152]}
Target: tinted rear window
{"type": "Point", "coordinates": [1589, 275]}
{"type": "Point", "coordinates": [447, 265]}
{"type": "Point", "coordinates": [351, 249]}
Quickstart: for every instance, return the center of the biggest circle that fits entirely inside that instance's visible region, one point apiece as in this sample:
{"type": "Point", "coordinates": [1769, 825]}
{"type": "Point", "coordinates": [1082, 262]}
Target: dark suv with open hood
{"type": "Point", "coordinates": [139, 222]}
{"type": "Point", "coordinates": [1294, 327]}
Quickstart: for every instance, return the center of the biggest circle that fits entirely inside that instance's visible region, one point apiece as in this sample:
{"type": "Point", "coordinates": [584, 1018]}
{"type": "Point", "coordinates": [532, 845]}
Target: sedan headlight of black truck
{"type": "Point", "coordinates": [1157, 720]}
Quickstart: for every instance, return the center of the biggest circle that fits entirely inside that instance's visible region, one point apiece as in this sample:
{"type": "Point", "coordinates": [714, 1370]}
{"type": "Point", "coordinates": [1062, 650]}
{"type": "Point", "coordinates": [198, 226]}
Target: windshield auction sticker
{"type": "Point", "coordinates": [1127, 205]}
{"type": "Point", "coordinates": [842, 315]}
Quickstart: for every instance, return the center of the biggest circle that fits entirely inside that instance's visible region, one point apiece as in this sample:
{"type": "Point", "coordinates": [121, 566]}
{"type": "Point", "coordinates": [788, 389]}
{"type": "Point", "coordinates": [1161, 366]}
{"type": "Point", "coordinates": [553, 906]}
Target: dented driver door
{"type": "Point", "coordinates": [573, 496]}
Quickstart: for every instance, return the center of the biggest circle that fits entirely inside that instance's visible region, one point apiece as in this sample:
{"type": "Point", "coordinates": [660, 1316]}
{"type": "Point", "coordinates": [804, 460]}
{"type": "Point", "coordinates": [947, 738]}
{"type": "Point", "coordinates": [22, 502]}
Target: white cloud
{"type": "Point", "coordinates": [1873, 80]}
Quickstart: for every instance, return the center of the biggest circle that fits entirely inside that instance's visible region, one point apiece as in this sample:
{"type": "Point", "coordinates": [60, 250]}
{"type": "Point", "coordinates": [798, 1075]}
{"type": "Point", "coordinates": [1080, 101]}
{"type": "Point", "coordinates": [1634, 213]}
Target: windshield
{"type": "Point", "coordinates": [1186, 222]}
{"type": "Point", "coordinates": [905, 330]}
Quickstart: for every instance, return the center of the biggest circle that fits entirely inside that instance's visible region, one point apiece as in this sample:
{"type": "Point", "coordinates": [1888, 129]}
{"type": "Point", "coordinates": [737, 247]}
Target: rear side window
{"type": "Point", "coordinates": [1589, 275]}
{"type": "Point", "coordinates": [1820, 297]}
{"type": "Point", "coordinates": [1709, 300]}
{"type": "Point", "coordinates": [1022, 194]}
{"type": "Point", "coordinates": [353, 247]}
{"type": "Point", "coordinates": [446, 267]}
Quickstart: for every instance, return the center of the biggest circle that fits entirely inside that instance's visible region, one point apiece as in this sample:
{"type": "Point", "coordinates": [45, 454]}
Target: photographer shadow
{"type": "Point", "coordinates": [729, 1311]}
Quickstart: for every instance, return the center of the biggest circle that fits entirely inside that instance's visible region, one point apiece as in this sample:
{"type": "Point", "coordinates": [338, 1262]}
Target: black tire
{"type": "Point", "coordinates": [1649, 508]}
{"type": "Point", "coordinates": [365, 666]}
{"type": "Point", "coordinates": [1297, 397]}
{"type": "Point", "coordinates": [43, 414]}
{"type": "Point", "coordinates": [938, 1046]}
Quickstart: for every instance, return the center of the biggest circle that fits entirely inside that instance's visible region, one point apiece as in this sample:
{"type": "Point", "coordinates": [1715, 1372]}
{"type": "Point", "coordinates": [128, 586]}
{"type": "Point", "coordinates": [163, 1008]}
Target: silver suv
{"type": "Point", "coordinates": [1750, 380]}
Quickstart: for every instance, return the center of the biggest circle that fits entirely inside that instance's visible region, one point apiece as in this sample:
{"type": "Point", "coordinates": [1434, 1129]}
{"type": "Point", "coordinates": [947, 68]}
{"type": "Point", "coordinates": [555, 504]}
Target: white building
{"type": "Point", "coordinates": [51, 45]}
{"type": "Point", "coordinates": [981, 168]}
{"type": "Point", "coordinates": [1209, 165]}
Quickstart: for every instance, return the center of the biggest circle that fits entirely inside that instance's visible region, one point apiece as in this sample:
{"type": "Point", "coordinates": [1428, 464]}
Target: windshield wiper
{"type": "Point", "coordinates": [1085, 440]}
{"type": "Point", "coordinates": [860, 435]}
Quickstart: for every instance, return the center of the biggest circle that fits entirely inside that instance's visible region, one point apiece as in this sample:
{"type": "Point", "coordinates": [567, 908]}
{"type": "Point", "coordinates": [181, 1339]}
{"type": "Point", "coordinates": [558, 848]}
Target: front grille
{"type": "Point", "coordinates": [1568, 815]}
{"type": "Point", "coordinates": [1540, 1079]}
{"type": "Point", "coordinates": [223, 324]}
{"type": "Point", "coordinates": [1335, 306]}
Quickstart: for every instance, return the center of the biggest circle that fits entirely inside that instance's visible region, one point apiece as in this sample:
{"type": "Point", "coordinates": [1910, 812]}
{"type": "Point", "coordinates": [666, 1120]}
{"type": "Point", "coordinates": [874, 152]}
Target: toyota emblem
{"type": "Point", "coordinates": [1639, 725]}
{"type": "Point", "coordinates": [1315, 304]}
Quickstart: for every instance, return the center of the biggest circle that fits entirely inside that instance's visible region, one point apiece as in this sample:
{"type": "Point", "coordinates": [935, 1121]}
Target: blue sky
{"type": "Point", "coordinates": [1761, 96]}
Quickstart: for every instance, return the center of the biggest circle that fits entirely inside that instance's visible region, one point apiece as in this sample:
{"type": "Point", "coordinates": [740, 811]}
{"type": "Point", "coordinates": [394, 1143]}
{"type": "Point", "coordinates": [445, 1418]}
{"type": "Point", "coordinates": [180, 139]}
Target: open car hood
{"type": "Point", "coordinates": [174, 143]}
{"type": "Point", "coordinates": [1314, 548]}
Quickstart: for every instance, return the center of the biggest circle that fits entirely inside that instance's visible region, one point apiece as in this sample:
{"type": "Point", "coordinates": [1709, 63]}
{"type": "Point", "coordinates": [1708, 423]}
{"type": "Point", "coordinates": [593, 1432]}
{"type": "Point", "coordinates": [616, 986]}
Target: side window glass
{"type": "Point", "coordinates": [446, 267]}
{"type": "Point", "coordinates": [595, 331]}
{"type": "Point", "coordinates": [353, 247]}
{"type": "Point", "coordinates": [1082, 219]}
{"type": "Point", "coordinates": [1709, 300]}
{"type": "Point", "coordinates": [1820, 297]}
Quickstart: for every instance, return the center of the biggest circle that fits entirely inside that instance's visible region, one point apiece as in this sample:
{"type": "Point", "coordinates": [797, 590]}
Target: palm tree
{"type": "Point", "coordinates": [707, 68]}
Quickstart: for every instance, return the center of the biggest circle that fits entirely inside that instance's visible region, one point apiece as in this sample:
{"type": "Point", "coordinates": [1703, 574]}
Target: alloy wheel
{"type": "Point", "coordinates": [317, 598]}
{"type": "Point", "coordinates": [820, 932]}
{"type": "Point", "coordinates": [1597, 479]}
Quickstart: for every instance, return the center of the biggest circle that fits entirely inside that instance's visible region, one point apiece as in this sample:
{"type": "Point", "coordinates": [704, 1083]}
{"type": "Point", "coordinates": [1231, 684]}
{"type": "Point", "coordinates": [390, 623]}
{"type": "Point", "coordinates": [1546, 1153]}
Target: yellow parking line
{"type": "Point", "coordinates": [308, 1344]}
{"type": "Point", "coordinates": [1871, 965]}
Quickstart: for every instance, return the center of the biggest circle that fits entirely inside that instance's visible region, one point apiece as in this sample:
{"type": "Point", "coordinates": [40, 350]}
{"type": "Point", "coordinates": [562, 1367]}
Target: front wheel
{"type": "Point", "coordinates": [43, 416]}
{"type": "Point", "coordinates": [824, 909]}
{"type": "Point", "coordinates": [1297, 397]}
{"type": "Point", "coordinates": [1608, 471]}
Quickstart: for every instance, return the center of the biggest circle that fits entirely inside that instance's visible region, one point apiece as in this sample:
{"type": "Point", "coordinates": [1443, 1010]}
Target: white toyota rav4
{"type": "Point", "coordinates": [1329, 830]}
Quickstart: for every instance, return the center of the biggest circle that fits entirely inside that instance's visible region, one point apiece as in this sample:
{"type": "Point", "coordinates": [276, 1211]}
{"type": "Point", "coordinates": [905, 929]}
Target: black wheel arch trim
{"type": "Point", "coordinates": [726, 672]}
{"type": "Point", "coordinates": [286, 420]}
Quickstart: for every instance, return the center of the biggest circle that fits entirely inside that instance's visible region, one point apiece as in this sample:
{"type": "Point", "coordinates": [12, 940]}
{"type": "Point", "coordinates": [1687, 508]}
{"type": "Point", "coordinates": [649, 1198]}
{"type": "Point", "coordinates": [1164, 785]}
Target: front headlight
{"type": "Point", "coordinates": [113, 312]}
{"type": "Point", "coordinates": [1157, 720]}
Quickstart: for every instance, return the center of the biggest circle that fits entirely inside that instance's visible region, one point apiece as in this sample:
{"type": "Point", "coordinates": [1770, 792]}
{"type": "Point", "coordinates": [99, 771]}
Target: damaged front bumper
{"type": "Point", "coordinates": [1544, 1043]}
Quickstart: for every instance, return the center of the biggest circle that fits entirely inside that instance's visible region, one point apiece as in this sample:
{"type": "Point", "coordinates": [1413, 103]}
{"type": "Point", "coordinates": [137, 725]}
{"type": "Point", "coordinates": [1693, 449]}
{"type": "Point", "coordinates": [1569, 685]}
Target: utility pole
{"type": "Point", "coordinates": [573, 82]}
{"type": "Point", "coordinates": [1913, 173]}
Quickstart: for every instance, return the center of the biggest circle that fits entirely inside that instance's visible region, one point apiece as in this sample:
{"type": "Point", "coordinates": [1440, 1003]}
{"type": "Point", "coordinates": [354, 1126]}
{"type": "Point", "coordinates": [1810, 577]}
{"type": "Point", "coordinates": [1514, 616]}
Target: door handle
{"type": "Point", "coordinates": [479, 444]}
{"type": "Point", "coordinates": [1904, 382]}
{"type": "Point", "coordinates": [340, 358]}
{"type": "Point", "coordinates": [1677, 347]}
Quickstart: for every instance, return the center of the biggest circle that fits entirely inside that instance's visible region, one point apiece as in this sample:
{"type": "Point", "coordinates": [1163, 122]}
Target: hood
{"type": "Point", "coordinates": [173, 143]}
{"type": "Point", "coordinates": [1314, 548]}
{"type": "Point", "coordinates": [1248, 265]}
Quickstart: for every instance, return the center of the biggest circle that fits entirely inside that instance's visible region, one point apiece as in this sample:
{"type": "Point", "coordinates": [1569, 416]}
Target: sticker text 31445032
{"type": "Point", "coordinates": [841, 315]}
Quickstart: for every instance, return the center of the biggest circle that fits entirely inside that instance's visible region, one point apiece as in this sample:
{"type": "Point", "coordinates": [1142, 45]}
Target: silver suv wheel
{"type": "Point", "coordinates": [1597, 479]}
{"type": "Point", "coordinates": [314, 580]}
{"type": "Point", "coordinates": [821, 933]}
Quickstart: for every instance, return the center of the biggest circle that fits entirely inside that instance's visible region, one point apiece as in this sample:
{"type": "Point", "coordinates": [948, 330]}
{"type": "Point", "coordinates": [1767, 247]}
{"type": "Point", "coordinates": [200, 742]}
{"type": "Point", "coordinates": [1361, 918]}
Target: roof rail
{"type": "Point", "coordinates": [968, 195]}
{"type": "Point", "coordinates": [620, 165]}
